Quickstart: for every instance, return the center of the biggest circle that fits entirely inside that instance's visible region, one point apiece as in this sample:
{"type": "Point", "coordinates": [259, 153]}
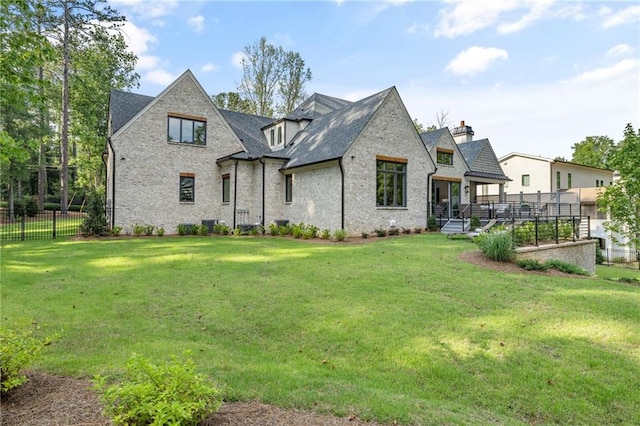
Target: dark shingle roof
{"type": "Point", "coordinates": [329, 136]}
{"type": "Point", "coordinates": [430, 139]}
{"type": "Point", "coordinates": [249, 129]}
{"type": "Point", "coordinates": [124, 106]}
{"type": "Point", "coordinates": [317, 105]}
{"type": "Point", "coordinates": [481, 159]}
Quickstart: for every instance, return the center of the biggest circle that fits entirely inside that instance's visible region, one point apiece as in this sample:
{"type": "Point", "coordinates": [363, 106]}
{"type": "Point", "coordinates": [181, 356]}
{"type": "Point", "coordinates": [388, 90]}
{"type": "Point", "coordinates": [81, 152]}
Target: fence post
{"type": "Point", "coordinates": [537, 222]}
{"type": "Point", "coordinates": [53, 224]}
{"type": "Point", "coordinates": [22, 226]}
{"type": "Point", "coordinates": [557, 233]}
{"type": "Point", "coordinates": [573, 228]}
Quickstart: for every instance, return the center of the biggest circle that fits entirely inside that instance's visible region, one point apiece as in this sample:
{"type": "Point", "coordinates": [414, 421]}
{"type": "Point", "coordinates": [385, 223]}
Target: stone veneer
{"type": "Point", "coordinates": [580, 253]}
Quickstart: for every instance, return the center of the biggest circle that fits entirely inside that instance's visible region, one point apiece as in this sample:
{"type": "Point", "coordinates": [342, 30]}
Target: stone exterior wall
{"type": "Point", "coordinates": [147, 169]}
{"type": "Point", "coordinates": [390, 133]}
{"type": "Point", "coordinates": [455, 171]}
{"type": "Point", "coordinates": [580, 253]}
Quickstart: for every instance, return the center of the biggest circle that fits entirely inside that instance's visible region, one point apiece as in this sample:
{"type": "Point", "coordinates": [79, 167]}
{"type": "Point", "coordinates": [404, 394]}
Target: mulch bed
{"type": "Point", "coordinates": [50, 400]}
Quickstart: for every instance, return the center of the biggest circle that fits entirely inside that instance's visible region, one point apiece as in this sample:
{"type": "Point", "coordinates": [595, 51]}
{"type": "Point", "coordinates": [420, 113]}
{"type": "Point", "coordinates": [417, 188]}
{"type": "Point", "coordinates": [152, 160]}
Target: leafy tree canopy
{"type": "Point", "coordinates": [593, 151]}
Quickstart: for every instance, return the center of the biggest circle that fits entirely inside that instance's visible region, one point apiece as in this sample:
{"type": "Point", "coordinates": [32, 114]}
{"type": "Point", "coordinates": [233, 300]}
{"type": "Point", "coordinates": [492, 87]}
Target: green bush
{"type": "Point", "coordinates": [380, 232]}
{"type": "Point", "coordinates": [599, 255]}
{"type": "Point", "coordinates": [116, 230]}
{"type": "Point", "coordinates": [95, 222]}
{"type": "Point", "coordinates": [203, 230]}
{"type": "Point", "coordinates": [159, 395]}
{"type": "Point", "coordinates": [160, 231]}
{"type": "Point", "coordinates": [19, 348]}
{"type": "Point", "coordinates": [221, 229]}
{"type": "Point", "coordinates": [417, 230]}
{"type": "Point", "coordinates": [365, 234]}
{"type": "Point", "coordinates": [432, 225]}
{"type": "Point", "coordinates": [475, 222]}
{"type": "Point", "coordinates": [496, 246]}
{"type": "Point", "coordinates": [182, 229]}
{"type": "Point", "coordinates": [340, 235]}
{"type": "Point", "coordinates": [532, 265]}
{"type": "Point", "coordinates": [565, 229]}
{"type": "Point", "coordinates": [148, 230]}
{"type": "Point", "coordinates": [325, 234]}
{"type": "Point", "coordinates": [138, 230]}
{"type": "Point", "coordinates": [567, 268]}
{"type": "Point", "coordinates": [273, 229]}
{"type": "Point", "coordinates": [283, 231]}
{"type": "Point", "coordinates": [297, 230]}
{"type": "Point", "coordinates": [394, 231]}
{"type": "Point", "coordinates": [237, 232]}
{"type": "Point", "coordinates": [525, 233]}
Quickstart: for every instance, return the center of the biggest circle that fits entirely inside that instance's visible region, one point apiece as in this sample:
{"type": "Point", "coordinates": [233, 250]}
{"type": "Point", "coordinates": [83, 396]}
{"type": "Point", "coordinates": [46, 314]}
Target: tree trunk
{"type": "Point", "coordinates": [64, 140]}
{"type": "Point", "coordinates": [42, 154]}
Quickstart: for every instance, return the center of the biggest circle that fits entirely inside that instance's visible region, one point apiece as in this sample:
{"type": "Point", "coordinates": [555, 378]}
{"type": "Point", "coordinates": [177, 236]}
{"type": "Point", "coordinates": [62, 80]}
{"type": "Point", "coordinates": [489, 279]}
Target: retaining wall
{"type": "Point", "coordinates": [580, 253]}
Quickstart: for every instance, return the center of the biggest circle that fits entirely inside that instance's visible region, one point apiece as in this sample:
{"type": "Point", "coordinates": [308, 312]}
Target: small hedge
{"type": "Point", "coordinates": [567, 268]}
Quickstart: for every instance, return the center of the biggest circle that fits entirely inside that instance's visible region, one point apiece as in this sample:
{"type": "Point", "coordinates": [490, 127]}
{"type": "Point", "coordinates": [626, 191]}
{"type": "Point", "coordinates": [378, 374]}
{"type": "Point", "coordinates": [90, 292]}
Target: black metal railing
{"type": "Point", "coordinates": [621, 257]}
{"type": "Point", "coordinates": [48, 224]}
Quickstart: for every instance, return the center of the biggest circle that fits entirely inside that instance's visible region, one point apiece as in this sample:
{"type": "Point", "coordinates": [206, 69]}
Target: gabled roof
{"type": "Point", "coordinates": [481, 159]}
{"type": "Point", "coordinates": [329, 136]}
{"type": "Point", "coordinates": [248, 128]}
{"type": "Point", "coordinates": [549, 160]}
{"type": "Point", "coordinates": [315, 106]}
{"type": "Point", "coordinates": [430, 138]}
{"type": "Point", "coordinates": [124, 106]}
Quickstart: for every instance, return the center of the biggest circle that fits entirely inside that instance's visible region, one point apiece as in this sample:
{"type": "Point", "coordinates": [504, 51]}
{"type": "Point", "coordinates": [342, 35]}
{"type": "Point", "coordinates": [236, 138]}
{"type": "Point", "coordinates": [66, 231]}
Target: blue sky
{"type": "Point", "coordinates": [533, 76]}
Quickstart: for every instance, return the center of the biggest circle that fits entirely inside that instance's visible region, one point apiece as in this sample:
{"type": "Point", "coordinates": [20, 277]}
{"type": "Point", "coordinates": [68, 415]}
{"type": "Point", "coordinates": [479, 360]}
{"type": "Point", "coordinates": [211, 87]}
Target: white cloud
{"type": "Point", "coordinates": [145, 9]}
{"type": "Point", "coordinates": [475, 59]}
{"type": "Point", "coordinates": [196, 23]}
{"type": "Point", "coordinates": [628, 15]}
{"type": "Point", "coordinates": [159, 77]}
{"type": "Point", "coordinates": [413, 28]}
{"type": "Point", "coordinates": [236, 59]}
{"type": "Point", "coordinates": [538, 11]}
{"type": "Point", "coordinates": [209, 67]}
{"type": "Point", "coordinates": [138, 39]}
{"type": "Point", "coordinates": [147, 62]}
{"type": "Point", "coordinates": [615, 71]}
{"type": "Point", "coordinates": [621, 49]}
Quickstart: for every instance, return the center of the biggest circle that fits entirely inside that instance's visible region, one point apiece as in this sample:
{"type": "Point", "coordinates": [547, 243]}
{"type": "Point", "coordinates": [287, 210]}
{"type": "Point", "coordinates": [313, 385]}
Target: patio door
{"type": "Point", "coordinates": [445, 198]}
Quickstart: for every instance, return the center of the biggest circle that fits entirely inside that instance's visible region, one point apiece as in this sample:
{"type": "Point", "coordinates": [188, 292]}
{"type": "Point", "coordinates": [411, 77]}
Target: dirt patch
{"type": "Point", "coordinates": [50, 400]}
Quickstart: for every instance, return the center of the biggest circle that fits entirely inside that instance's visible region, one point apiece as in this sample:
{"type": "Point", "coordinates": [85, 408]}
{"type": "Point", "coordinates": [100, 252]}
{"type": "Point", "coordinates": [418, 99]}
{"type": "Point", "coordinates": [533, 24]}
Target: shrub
{"type": "Point", "coordinates": [283, 231]}
{"type": "Point", "coordinates": [496, 246]}
{"type": "Point", "coordinates": [116, 230]}
{"type": "Point", "coordinates": [95, 222]}
{"type": "Point", "coordinates": [365, 234]}
{"type": "Point", "coordinates": [296, 230]}
{"type": "Point", "coordinates": [194, 229]}
{"type": "Point", "coordinates": [340, 235]}
{"type": "Point", "coordinates": [308, 232]}
{"type": "Point", "coordinates": [525, 233]}
{"type": "Point", "coordinates": [148, 230]}
{"type": "Point", "coordinates": [273, 229]}
{"type": "Point", "coordinates": [19, 349]}
{"type": "Point", "coordinates": [599, 255]}
{"type": "Point", "coordinates": [474, 223]}
{"type": "Point", "coordinates": [237, 232]}
{"type": "Point", "coordinates": [417, 230]}
{"type": "Point", "coordinates": [221, 229]}
{"type": "Point", "coordinates": [432, 225]}
{"type": "Point", "coordinates": [138, 230]}
{"type": "Point", "coordinates": [160, 231]}
{"type": "Point", "coordinates": [203, 230]}
{"type": "Point", "coordinates": [394, 231]}
{"type": "Point", "coordinates": [565, 267]}
{"type": "Point", "coordinates": [157, 395]}
{"type": "Point", "coordinates": [182, 229]}
{"type": "Point", "coordinates": [406, 230]}
{"type": "Point", "coordinates": [380, 232]}
{"type": "Point", "coordinates": [565, 229]}
{"type": "Point", "coordinates": [31, 206]}
{"type": "Point", "coordinates": [532, 265]}
{"type": "Point", "coordinates": [325, 234]}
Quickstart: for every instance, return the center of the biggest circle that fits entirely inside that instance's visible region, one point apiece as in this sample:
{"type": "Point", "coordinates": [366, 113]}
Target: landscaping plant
{"type": "Point", "coordinates": [168, 394]}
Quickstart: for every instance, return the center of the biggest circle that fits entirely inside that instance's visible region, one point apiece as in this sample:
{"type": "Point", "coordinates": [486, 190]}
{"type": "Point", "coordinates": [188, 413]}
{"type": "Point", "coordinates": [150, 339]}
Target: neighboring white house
{"type": "Point", "coordinates": [530, 174]}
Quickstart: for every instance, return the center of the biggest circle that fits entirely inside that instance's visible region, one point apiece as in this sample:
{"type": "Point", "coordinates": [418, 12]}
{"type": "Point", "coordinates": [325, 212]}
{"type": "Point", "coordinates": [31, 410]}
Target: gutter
{"type": "Point", "coordinates": [113, 184]}
{"type": "Point", "coordinates": [429, 192]}
{"type": "Point", "coordinates": [341, 193]}
{"type": "Point", "coordinates": [263, 192]}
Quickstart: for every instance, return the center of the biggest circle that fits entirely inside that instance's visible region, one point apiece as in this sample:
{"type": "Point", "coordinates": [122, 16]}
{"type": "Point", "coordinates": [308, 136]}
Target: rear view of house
{"type": "Point", "coordinates": [176, 158]}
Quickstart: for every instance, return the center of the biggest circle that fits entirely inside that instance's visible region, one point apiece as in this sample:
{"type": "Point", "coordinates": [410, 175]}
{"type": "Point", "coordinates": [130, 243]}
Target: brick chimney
{"type": "Point", "coordinates": [463, 133]}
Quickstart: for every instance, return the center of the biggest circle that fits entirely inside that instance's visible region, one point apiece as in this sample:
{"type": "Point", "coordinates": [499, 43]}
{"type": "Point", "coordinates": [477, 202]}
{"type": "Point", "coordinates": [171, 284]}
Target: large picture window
{"type": "Point", "coordinates": [226, 188]}
{"type": "Point", "coordinates": [391, 182]}
{"type": "Point", "coordinates": [184, 130]}
{"type": "Point", "coordinates": [187, 187]}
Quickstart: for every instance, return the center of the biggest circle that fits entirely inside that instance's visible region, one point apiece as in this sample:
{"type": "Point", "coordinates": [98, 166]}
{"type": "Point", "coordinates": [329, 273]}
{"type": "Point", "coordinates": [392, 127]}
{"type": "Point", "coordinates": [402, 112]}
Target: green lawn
{"type": "Point", "coordinates": [397, 329]}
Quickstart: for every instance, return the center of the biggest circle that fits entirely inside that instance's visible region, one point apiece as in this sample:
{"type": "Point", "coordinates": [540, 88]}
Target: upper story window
{"type": "Point", "coordinates": [279, 135]}
{"type": "Point", "coordinates": [526, 180]}
{"type": "Point", "coordinates": [444, 156]}
{"type": "Point", "coordinates": [189, 130]}
{"type": "Point", "coordinates": [558, 180]}
{"type": "Point", "coordinates": [569, 180]}
{"type": "Point", "coordinates": [272, 137]}
{"type": "Point", "coordinates": [391, 182]}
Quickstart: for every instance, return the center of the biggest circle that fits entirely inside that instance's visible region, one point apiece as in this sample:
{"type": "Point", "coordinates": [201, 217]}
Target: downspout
{"type": "Point", "coordinates": [113, 184]}
{"type": "Point", "coordinates": [235, 192]}
{"type": "Point", "coordinates": [341, 193]}
{"type": "Point", "coordinates": [263, 192]}
{"type": "Point", "coordinates": [429, 192]}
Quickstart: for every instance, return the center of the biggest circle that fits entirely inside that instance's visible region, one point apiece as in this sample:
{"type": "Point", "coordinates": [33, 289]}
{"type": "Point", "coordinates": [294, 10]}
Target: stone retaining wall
{"type": "Point", "coordinates": [580, 253]}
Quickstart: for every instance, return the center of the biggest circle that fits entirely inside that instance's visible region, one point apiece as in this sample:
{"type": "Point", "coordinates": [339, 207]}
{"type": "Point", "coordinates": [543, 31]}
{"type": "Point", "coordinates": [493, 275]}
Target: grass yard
{"type": "Point", "coordinates": [396, 329]}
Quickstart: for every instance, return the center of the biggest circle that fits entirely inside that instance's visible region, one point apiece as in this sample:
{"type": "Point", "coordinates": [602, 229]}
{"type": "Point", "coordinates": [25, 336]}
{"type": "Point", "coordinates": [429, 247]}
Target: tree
{"type": "Point", "coordinates": [231, 101]}
{"type": "Point", "coordinates": [621, 200]}
{"type": "Point", "coordinates": [24, 50]}
{"type": "Point", "coordinates": [441, 122]}
{"type": "Point", "coordinates": [593, 151]}
{"type": "Point", "coordinates": [68, 16]}
{"type": "Point", "coordinates": [273, 79]}
{"type": "Point", "coordinates": [419, 127]}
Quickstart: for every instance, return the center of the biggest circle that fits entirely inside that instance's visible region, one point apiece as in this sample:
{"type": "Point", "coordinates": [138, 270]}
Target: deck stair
{"type": "Point", "coordinates": [455, 226]}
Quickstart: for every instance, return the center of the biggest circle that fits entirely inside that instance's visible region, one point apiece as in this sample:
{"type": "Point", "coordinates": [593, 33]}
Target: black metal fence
{"type": "Point", "coordinates": [621, 257]}
{"type": "Point", "coordinates": [48, 224]}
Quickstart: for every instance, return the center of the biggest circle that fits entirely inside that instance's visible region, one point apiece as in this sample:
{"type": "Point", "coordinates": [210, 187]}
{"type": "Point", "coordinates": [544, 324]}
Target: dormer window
{"type": "Point", "coordinates": [272, 138]}
{"type": "Point", "coordinates": [444, 156]}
